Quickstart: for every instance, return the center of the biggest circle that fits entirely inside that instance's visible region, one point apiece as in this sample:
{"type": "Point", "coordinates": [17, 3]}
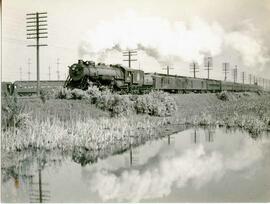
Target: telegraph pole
{"type": "Point", "coordinates": [168, 69]}
{"type": "Point", "coordinates": [36, 29]}
{"type": "Point", "coordinates": [208, 63]}
{"type": "Point", "coordinates": [130, 54]}
{"type": "Point", "coordinates": [243, 77]}
{"type": "Point", "coordinates": [226, 66]}
{"type": "Point", "coordinates": [49, 72]}
{"type": "Point", "coordinates": [58, 72]}
{"type": "Point", "coordinates": [235, 74]}
{"type": "Point", "coordinates": [20, 73]}
{"type": "Point", "coordinates": [194, 68]}
{"type": "Point", "coordinates": [29, 73]}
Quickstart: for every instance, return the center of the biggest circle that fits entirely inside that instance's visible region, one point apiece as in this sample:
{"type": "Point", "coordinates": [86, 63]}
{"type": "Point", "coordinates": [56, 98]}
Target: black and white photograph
{"type": "Point", "coordinates": [135, 101]}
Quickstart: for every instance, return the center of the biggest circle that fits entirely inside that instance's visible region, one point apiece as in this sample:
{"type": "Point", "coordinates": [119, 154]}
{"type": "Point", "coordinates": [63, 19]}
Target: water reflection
{"type": "Point", "coordinates": [180, 168]}
{"type": "Point", "coordinates": [26, 169]}
{"type": "Point", "coordinates": [38, 194]}
{"type": "Point", "coordinates": [198, 167]}
{"type": "Point", "coordinates": [209, 134]}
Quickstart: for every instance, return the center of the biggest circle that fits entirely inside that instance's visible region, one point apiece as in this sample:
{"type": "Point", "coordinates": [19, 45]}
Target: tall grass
{"type": "Point", "coordinates": [94, 135]}
{"type": "Point", "coordinates": [251, 114]}
{"type": "Point", "coordinates": [13, 115]}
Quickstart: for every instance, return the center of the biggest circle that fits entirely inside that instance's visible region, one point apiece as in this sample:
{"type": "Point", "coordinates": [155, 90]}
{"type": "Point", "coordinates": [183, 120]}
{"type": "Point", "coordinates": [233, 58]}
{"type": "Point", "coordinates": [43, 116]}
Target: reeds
{"type": "Point", "coordinates": [94, 135]}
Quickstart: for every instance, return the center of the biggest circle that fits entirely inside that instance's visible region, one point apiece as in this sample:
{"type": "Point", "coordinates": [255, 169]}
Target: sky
{"type": "Point", "coordinates": [165, 33]}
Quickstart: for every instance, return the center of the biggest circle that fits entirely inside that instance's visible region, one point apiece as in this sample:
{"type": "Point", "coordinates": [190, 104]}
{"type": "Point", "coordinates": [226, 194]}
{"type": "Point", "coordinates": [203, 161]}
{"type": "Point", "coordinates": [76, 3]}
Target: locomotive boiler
{"type": "Point", "coordinates": [86, 73]}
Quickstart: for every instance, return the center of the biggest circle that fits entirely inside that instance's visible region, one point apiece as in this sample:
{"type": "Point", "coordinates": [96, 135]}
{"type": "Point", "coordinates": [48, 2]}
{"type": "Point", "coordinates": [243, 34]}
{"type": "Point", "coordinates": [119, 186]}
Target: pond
{"type": "Point", "coordinates": [195, 165]}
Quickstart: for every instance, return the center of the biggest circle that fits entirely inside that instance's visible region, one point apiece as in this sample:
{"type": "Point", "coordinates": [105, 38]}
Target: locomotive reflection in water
{"type": "Point", "coordinates": [117, 77]}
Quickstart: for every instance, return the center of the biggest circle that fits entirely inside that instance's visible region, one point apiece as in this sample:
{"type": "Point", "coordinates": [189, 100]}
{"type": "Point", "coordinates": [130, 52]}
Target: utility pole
{"type": "Point", "coordinates": [243, 77]}
{"type": "Point", "coordinates": [168, 69]}
{"type": "Point", "coordinates": [250, 77]}
{"type": "Point", "coordinates": [194, 68]}
{"type": "Point", "coordinates": [58, 72]}
{"type": "Point", "coordinates": [20, 73]}
{"type": "Point", "coordinates": [208, 63]}
{"type": "Point", "coordinates": [129, 54]}
{"type": "Point", "coordinates": [235, 74]}
{"type": "Point", "coordinates": [29, 73]}
{"type": "Point", "coordinates": [36, 29]}
{"type": "Point", "coordinates": [49, 72]}
{"type": "Point", "coordinates": [254, 79]}
{"type": "Point", "coordinates": [226, 66]}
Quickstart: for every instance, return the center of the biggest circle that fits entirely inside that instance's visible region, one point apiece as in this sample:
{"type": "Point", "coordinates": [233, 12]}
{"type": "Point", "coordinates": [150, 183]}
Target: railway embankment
{"type": "Point", "coordinates": [249, 111]}
{"type": "Point", "coordinates": [84, 125]}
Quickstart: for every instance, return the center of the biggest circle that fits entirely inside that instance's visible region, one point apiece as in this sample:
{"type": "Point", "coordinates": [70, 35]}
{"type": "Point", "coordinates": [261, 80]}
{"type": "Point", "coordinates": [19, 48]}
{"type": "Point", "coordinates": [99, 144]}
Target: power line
{"type": "Point", "coordinates": [49, 72]}
{"type": "Point", "coordinates": [29, 73]}
{"type": "Point", "coordinates": [57, 71]}
{"type": "Point", "coordinates": [235, 71]}
{"type": "Point", "coordinates": [250, 77]}
{"type": "Point", "coordinates": [208, 63]}
{"type": "Point", "coordinates": [243, 77]}
{"type": "Point", "coordinates": [226, 66]}
{"type": "Point", "coordinates": [21, 73]}
{"type": "Point", "coordinates": [168, 69]}
{"type": "Point", "coordinates": [36, 29]}
{"type": "Point", "coordinates": [194, 68]}
{"type": "Point", "coordinates": [130, 54]}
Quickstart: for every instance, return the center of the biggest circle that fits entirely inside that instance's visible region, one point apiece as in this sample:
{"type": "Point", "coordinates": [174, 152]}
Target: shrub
{"type": "Point", "coordinates": [79, 94]}
{"type": "Point", "coordinates": [46, 94]}
{"type": "Point", "coordinates": [64, 93]}
{"type": "Point", "coordinates": [12, 113]}
{"type": "Point", "coordinates": [224, 96]}
{"type": "Point", "coordinates": [155, 103]}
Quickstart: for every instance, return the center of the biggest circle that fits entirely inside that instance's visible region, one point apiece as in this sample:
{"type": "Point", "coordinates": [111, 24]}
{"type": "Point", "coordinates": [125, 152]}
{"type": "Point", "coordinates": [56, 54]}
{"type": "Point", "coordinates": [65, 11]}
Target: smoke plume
{"type": "Point", "coordinates": [168, 42]}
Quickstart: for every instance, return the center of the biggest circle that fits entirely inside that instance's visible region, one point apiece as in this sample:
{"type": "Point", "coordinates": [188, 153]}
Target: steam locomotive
{"type": "Point", "coordinates": [117, 77]}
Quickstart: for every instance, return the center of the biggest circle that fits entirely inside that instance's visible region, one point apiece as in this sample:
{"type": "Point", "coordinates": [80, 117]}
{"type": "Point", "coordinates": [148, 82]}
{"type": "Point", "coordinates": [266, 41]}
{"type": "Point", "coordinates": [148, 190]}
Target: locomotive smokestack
{"type": "Point", "coordinates": [80, 61]}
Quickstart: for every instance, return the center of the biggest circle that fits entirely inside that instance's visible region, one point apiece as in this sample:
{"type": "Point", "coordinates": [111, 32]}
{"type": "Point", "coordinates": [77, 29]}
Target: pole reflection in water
{"type": "Point", "coordinates": [37, 192]}
{"type": "Point", "coordinates": [195, 136]}
{"type": "Point", "coordinates": [209, 135]}
{"type": "Point", "coordinates": [171, 140]}
{"type": "Point", "coordinates": [133, 155]}
{"type": "Point", "coordinates": [130, 154]}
